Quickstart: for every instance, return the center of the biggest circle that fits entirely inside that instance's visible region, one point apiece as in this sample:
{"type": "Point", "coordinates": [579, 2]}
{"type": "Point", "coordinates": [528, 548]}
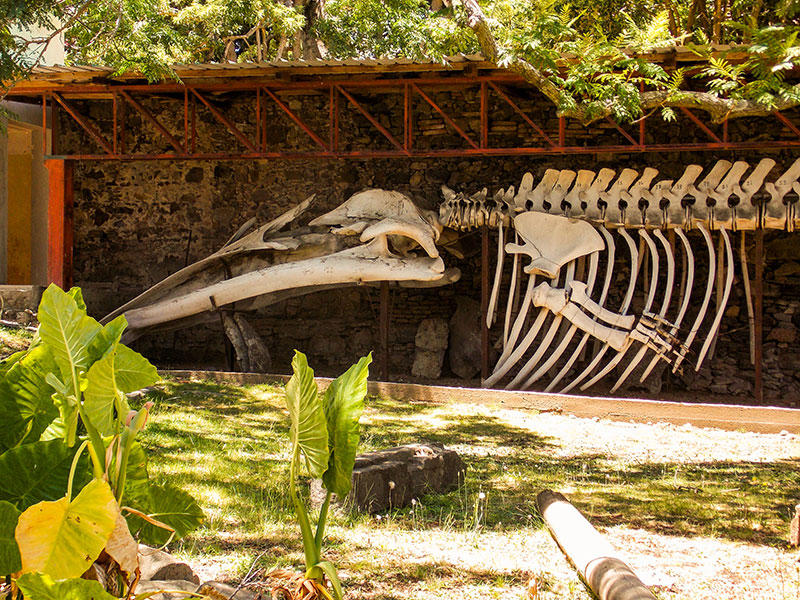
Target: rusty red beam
{"type": "Point", "coordinates": [446, 117]}
{"type": "Point", "coordinates": [624, 133]}
{"type": "Point", "coordinates": [787, 122]}
{"type": "Point", "coordinates": [375, 123]}
{"type": "Point", "coordinates": [484, 115]}
{"type": "Point", "coordinates": [455, 152]}
{"type": "Point", "coordinates": [701, 125]}
{"type": "Point", "coordinates": [150, 118]}
{"type": "Point", "coordinates": [60, 222]}
{"type": "Point", "coordinates": [86, 125]}
{"type": "Point", "coordinates": [226, 122]}
{"type": "Point", "coordinates": [521, 113]}
{"type": "Point", "coordinates": [408, 114]}
{"type": "Point", "coordinates": [300, 123]}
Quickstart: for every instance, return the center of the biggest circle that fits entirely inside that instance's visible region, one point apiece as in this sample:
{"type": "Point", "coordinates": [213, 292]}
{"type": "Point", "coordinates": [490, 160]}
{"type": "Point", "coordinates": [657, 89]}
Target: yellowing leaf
{"type": "Point", "coordinates": [122, 547]}
{"type": "Point", "coordinates": [63, 538]}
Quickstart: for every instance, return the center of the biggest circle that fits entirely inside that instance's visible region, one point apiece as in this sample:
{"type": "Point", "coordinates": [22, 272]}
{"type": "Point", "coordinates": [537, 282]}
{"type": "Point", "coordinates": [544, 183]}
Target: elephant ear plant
{"type": "Point", "coordinates": [63, 516]}
{"type": "Point", "coordinates": [324, 436]}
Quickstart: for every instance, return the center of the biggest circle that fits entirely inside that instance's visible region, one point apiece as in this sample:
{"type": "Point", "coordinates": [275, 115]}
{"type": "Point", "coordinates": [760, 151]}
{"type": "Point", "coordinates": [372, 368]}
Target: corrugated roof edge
{"type": "Point", "coordinates": [44, 73]}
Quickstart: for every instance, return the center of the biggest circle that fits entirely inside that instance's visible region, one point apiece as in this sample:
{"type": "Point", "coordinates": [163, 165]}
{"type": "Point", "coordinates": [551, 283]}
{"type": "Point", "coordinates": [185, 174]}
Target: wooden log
{"type": "Point", "coordinates": [607, 576]}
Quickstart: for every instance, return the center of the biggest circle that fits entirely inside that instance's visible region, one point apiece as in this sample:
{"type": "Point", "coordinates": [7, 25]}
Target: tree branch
{"type": "Point", "coordinates": [719, 109]}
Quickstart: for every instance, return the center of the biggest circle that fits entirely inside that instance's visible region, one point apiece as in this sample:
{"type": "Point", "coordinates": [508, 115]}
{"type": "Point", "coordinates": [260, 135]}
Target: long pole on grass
{"type": "Point", "coordinates": [594, 558]}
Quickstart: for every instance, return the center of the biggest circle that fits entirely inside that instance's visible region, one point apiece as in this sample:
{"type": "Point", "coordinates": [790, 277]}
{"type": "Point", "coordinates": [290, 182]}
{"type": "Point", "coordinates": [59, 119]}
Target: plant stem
{"type": "Point", "coordinates": [323, 516]}
{"type": "Point", "coordinates": [312, 558]}
{"type": "Point", "coordinates": [97, 449]}
{"type": "Point", "coordinates": [72, 468]}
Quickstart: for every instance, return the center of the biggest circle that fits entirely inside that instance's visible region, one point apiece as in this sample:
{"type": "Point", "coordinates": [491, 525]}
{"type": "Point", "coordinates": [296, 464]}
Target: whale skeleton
{"type": "Point", "coordinates": [568, 240]}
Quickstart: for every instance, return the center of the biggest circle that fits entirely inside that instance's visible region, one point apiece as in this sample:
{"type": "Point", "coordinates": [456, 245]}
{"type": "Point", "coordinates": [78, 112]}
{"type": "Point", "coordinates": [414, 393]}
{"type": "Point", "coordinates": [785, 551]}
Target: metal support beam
{"type": "Point", "coordinates": [60, 222]}
{"type": "Point", "coordinates": [484, 302]}
{"type": "Point", "coordinates": [150, 118]}
{"type": "Point", "coordinates": [384, 330]}
{"type": "Point", "coordinates": [758, 309]}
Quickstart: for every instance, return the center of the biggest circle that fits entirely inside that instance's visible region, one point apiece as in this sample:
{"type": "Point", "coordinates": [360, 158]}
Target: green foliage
{"type": "Point", "coordinates": [10, 561]}
{"type": "Point", "coordinates": [37, 586]}
{"type": "Point", "coordinates": [325, 431]}
{"type": "Point", "coordinates": [73, 380]}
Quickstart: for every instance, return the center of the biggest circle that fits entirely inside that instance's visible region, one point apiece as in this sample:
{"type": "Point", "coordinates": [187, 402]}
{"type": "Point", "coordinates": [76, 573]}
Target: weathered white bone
{"type": "Point", "coordinates": [589, 199]}
{"type": "Point", "coordinates": [548, 336]}
{"type": "Point", "coordinates": [525, 188]}
{"type": "Point", "coordinates": [556, 195]}
{"type": "Point", "coordinates": [744, 213]}
{"type": "Point", "coordinates": [419, 232]}
{"type": "Point", "coordinates": [631, 215]}
{"type": "Point", "coordinates": [626, 303]}
{"type": "Point", "coordinates": [578, 295]}
{"type": "Point", "coordinates": [535, 198]}
{"type": "Point", "coordinates": [343, 267]}
{"type": "Point", "coordinates": [775, 214]}
{"type": "Point", "coordinates": [611, 251]}
{"type": "Point", "coordinates": [720, 213]}
{"type": "Point", "coordinates": [573, 198]}
{"type": "Point", "coordinates": [748, 300]}
{"type": "Point", "coordinates": [687, 294]}
{"type": "Point", "coordinates": [725, 295]}
{"type": "Point", "coordinates": [611, 212]}
{"type": "Point", "coordinates": [712, 267]}
{"type": "Point", "coordinates": [570, 333]}
{"type": "Point", "coordinates": [552, 241]}
{"type": "Point", "coordinates": [498, 275]}
{"type": "Point", "coordinates": [698, 211]}
{"type": "Point", "coordinates": [648, 303]}
{"type": "Point", "coordinates": [512, 294]}
{"type": "Point", "coordinates": [557, 301]}
{"type": "Point", "coordinates": [661, 314]}
{"type": "Point", "coordinates": [654, 214]}
{"type": "Point", "coordinates": [675, 213]}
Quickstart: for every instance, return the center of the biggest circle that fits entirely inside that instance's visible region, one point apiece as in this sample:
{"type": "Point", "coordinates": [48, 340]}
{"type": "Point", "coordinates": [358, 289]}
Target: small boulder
{"type": "Point", "coordinates": [160, 566]}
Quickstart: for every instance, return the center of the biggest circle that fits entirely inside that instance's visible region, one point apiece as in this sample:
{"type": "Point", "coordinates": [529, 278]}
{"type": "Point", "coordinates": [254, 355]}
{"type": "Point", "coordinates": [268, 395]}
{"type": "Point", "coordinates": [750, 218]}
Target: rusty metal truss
{"type": "Point", "coordinates": [324, 141]}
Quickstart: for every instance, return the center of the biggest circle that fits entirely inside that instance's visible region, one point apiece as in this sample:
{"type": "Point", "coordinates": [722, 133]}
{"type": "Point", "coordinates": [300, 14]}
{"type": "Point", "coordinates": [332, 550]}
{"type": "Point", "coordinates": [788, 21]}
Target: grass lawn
{"type": "Point", "coordinates": [13, 340]}
{"type": "Point", "coordinates": [698, 513]}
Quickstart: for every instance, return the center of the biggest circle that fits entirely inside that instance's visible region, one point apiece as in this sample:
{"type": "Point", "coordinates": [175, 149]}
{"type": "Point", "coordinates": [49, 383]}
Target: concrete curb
{"type": "Point", "coordinates": [731, 417]}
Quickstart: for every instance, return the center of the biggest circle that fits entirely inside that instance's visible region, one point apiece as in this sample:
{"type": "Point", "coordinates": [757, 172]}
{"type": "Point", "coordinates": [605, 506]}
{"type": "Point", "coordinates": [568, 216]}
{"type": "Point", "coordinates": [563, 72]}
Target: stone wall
{"type": "Point", "coordinates": [137, 222]}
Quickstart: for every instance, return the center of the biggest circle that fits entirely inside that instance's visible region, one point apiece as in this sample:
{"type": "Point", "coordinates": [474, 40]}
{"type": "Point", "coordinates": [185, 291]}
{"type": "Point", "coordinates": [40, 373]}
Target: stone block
{"type": "Point", "coordinates": [432, 334]}
{"type": "Point", "coordinates": [783, 333]}
{"type": "Point", "coordinates": [428, 364]}
{"type": "Point", "coordinates": [158, 565]}
{"type": "Point", "coordinates": [391, 478]}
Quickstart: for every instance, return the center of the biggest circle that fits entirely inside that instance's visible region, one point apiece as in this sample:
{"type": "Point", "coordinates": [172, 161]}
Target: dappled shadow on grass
{"type": "Point", "coordinates": [229, 443]}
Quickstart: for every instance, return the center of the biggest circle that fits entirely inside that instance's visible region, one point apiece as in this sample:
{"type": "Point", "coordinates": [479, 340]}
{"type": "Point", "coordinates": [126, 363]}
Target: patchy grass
{"type": "Point", "coordinates": [13, 340]}
{"type": "Point", "coordinates": [656, 491]}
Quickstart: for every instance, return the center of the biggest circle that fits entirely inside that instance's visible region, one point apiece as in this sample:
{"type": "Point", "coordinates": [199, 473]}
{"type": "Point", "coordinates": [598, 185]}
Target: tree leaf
{"type": "Point", "coordinates": [344, 403]}
{"type": "Point", "coordinates": [309, 430]}
{"type": "Point", "coordinates": [38, 586]}
{"type": "Point", "coordinates": [136, 479]}
{"type": "Point", "coordinates": [68, 331]}
{"type": "Point", "coordinates": [107, 337]}
{"type": "Point", "coordinates": [26, 406]}
{"type": "Point", "coordinates": [9, 551]}
{"type": "Point", "coordinates": [63, 538]}
{"type": "Point", "coordinates": [172, 507]}
{"type": "Point", "coordinates": [34, 472]}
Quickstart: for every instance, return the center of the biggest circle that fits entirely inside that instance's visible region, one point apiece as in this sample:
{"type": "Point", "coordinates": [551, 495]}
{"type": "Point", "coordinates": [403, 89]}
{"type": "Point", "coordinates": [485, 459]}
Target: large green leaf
{"type": "Point", "coordinates": [170, 506]}
{"type": "Point", "coordinates": [344, 403]}
{"type": "Point", "coordinates": [38, 586]}
{"type": "Point", "coordinates": [107, 337]}
{"type": "Point", "coordinates": [34, 472]}
{"type": "Point", "coordinates": [9, 551]}
{"type": "Point", "coordinates": [136, 481]}
{"type": "Point", "coordinates": [308, 430]}
{"type": "Point", "coordinates": [119, 372]}
{"type": "Point", "coordinates": [63, 538]}
{"type": "Point", "coordinates": [68, 331]}
{"type": "Point", "coordinates": [26, 406]}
